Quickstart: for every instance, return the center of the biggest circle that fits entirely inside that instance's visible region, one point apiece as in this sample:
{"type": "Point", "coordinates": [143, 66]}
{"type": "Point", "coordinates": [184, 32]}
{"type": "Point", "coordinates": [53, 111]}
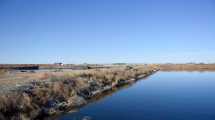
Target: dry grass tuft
{"type": "Point", "coordinates": [3, 72]}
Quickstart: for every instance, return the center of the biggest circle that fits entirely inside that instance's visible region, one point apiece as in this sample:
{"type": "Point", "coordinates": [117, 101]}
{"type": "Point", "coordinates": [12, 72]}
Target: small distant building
{"type": "Point", "coordinates": [59, 64]}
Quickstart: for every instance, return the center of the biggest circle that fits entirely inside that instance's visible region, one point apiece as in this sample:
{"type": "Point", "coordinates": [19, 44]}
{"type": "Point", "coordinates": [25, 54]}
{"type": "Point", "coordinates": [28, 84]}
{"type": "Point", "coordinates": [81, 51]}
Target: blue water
{"type": "Point", "coordinates": [163, 96]}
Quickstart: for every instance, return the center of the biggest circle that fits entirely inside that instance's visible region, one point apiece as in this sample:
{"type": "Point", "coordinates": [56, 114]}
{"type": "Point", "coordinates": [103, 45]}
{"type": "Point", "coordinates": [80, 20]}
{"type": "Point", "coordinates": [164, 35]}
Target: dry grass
{"type": "Point", "coordinates": [62, 87]}
{"type": "Point", "coordinates": [3, 72]}
{"type": "Point", "coordinates": [187, 67]}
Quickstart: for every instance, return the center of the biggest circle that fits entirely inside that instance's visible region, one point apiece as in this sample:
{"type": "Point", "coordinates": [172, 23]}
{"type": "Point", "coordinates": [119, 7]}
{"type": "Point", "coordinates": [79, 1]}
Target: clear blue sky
{"type": "Point", "coordinates": [107, 31]}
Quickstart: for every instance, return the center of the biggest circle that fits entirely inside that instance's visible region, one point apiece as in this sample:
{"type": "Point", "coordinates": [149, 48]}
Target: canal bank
{"type": "Point", "coordinates": [39, 100]}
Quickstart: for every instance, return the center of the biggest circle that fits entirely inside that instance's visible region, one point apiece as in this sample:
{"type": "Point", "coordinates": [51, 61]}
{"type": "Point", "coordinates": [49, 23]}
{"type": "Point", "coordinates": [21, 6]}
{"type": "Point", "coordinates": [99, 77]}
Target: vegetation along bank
{"type": "Point", "coordinates": [57, 94]}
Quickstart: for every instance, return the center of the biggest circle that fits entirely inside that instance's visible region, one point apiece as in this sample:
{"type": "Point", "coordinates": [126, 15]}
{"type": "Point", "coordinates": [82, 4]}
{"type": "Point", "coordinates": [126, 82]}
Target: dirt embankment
{"type": "Point", "coordinates": [187, 67]}
{"type": "Point", "coordinates": [61, 93]}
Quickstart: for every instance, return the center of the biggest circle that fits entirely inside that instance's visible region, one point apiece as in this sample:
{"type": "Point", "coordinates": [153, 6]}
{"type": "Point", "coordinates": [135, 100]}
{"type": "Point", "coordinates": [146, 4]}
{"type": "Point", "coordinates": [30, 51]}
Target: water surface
{"type": "Point", "coordinates": [163, 96]}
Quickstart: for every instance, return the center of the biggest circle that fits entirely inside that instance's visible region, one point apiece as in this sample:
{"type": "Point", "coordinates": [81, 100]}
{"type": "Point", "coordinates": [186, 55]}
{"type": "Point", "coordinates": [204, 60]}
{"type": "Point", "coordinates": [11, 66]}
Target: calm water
{"type": "Point", "coordinates": [163, 96]}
